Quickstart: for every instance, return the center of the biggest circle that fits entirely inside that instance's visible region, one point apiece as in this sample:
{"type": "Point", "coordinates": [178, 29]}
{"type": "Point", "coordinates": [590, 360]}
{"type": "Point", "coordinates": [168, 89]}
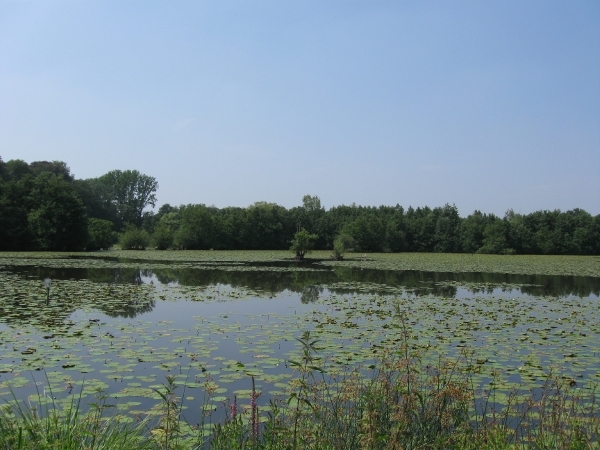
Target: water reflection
{"type": "Point", "coordinates": [302, 282]}
{"type": "Point", "coordinates": [310, 293]}
{"type": "Point", "coordinates": [307, 284]}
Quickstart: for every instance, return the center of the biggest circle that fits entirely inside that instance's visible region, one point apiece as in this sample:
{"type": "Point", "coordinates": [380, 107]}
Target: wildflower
{"type": "Point", "coordinates": [233, 407]}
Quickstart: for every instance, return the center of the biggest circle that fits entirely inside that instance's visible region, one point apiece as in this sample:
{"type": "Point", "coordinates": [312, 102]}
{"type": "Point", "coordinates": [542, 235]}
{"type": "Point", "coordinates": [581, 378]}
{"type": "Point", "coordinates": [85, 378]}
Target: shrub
{"type": "Point", "coordinates": [303, 243]}
{"type": "Point", "coordinates": [134, 239]}
{"type": "Point", "coordinates": [162, 238]}
{"type": "Point", "coordinates": [100, 234]}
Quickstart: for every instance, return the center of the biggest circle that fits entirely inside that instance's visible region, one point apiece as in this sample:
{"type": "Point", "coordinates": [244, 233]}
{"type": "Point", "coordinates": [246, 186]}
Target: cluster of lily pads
{"type": "Point", "coordinates": [124, 337]}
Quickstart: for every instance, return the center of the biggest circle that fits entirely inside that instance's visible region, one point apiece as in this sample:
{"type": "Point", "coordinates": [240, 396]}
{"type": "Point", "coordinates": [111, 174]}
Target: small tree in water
{"type": "Point", "coordinates": [342, 243]}
{"type": "Point", "coordinates": [303, 243]}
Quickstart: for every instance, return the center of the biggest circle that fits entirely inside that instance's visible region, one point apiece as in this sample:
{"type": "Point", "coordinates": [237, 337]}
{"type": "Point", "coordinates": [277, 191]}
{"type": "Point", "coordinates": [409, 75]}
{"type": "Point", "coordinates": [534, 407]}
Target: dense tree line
{"type": "Point", "coordinates": [43, 207]}
{"type": "Point", "coordinates": [376, 229]}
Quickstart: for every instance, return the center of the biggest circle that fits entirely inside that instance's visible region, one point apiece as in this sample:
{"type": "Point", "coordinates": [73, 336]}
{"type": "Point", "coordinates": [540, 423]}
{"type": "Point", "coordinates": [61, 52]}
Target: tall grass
{"type": "Point", "coordinates": [47, 425]}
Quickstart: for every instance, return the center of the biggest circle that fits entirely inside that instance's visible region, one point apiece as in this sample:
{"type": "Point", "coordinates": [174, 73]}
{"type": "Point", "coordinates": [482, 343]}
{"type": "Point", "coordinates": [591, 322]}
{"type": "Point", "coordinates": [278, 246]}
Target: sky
{"type": "Point", "coordinates": [487, 105]}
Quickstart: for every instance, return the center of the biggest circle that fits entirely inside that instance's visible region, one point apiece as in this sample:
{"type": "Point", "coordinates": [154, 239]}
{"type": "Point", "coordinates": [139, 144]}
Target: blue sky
{"type": "Point", "coordinates": [488, 105]}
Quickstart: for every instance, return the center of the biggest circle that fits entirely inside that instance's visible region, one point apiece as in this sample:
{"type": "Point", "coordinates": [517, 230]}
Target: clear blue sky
{"type": "Point", "coordinates": [488, 105]}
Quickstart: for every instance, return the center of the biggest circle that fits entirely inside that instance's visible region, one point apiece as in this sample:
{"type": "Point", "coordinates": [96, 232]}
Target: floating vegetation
{"type": "Point", "coordinates": [580, 266]}
{"type": "Point", "coordinates": [124, 330]}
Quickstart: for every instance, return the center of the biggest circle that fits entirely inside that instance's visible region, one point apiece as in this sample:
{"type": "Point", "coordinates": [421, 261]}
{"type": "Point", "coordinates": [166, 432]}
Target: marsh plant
{"type": "Point", "coordinates": [45, 424]}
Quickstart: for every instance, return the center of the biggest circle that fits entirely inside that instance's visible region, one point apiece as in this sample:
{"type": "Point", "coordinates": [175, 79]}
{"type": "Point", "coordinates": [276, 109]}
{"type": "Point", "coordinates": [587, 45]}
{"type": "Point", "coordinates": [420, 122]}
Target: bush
{"type": "Point", "coordinates": [134, 239]}
{"type": "Point", "coordinates": [303, 243]}
{"type": "Point", "coordinates": [342, 243]}
{"type": "Point", "coordinates": [162, 238]}
{"type": "Point", "coordinates": [100, 234]}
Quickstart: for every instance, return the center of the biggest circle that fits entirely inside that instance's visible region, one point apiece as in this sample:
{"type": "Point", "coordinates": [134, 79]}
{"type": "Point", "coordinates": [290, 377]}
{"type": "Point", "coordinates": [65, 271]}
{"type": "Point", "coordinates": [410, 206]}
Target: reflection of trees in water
{"type": "Point", "coordinates": [27, 306]}
{"type": "Point", "coordinates": [419, 282]}
{"type": "Point", "coordinates": [268, 281]}
{"type": "Point", "coordinates": [308, 284]}
{"type": "Point", "coordinates": [96, 275]}
{"type": "Point", "coordinates": [422, 283]}
{"type": "Point", "coordinates": [310, 293]}
{"type": "Point", "coordinates": [129, 310]}
{"type": "Point", "coordinates": [52, 317]}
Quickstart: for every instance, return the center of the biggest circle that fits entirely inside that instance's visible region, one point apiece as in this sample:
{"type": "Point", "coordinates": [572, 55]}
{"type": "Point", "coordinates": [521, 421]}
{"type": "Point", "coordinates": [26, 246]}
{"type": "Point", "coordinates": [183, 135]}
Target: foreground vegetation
{"type": "Point", "coordinates": [400, 404]}
{"type": "Point", "coordinates": [43, 207]}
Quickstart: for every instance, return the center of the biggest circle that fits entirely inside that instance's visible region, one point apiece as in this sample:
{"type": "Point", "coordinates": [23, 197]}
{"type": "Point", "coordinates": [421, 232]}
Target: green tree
{"type": "Point", "coordinates": [3, 171]}
{"type": "Point", "coordinates": [162, 238]}
{"type": "Point", "coordinates": [17, 169]}
{"type": "Point", "coordinates": [55, 214]}
{"type": "Point", "coordinates": [303, 243]}
{"type": "Point", "coordinates": [196, 230]}
{"type": "Point", "coordinates": [96, 200]}
{"type": "Point", "coordinates": [165, 227]}
{"type": "Point", "coordinates": [447, 229]}
{"type": "Point", "coordinates": [313, 211]}
{"type": "Point", "coordinates": [471, 231]}
{"type": "Point", "coordinates": [134, 238]}
{"type": "Point", "coordinates": [494, 238]}
{"type": "Point", "coordinates": [520, 235]}
{"type": "Point", "coordinates": [264, 227]}
{"type": "Point", "coordinates": [14, 228]}
{"type": "Point", "coordinates": [127, 193]}
{"type": "Point", "coordinates": [368, 232]}
{"type": "Point", "coordinates": [342, 243]}
{"type": "Point", "coordinates": [100, 234]}
{"type": "Point", "coordinates": [420, 229]}
{"type": "Point", "coordinates": [58, 168]}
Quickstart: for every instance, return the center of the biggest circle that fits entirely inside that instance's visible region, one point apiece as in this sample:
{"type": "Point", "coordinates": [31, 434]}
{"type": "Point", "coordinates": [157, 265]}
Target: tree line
{"type": "Point", "coordinates": [43, 207]}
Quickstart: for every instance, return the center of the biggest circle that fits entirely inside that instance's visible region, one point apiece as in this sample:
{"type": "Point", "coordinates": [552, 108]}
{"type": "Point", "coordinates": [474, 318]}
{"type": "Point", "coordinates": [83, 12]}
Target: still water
{"type": "Point", "coordinates": [123, 325]}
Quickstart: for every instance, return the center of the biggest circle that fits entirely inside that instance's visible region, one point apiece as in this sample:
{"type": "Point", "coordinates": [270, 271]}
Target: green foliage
{"type": "Point", "coordinates": [162, 238]}
{"type": "Point", "coordinates": [57, 168]}
{"type": "Point", "coordinates": [133, 238]}
{"type": "Point", "coordinates": [447, 230]}
{"type": "Point", "coordinates": [55, 215]}
{"type": "Point", "coordinates": [165, 227]}
{"type": "Point", "coordinates": [36, 213]}
{"type": "Point", "coordinates": [122, 195]}
{"type": "Point", "coordinates": [471, 230]}
{"type": "Point", "coordinates": [168, 430]}
{"type": "Point", "coordinates": [39, 208]}
{"type": "Point", "coordinates": [342, 243]}
{"type": "Point", "coordinates": [44, 425]}
{"type": "Point", "coordinates": [265, 227]}
{"type": "Point", "coordinates": [95, 197]}
{"type": "Point", "coordinates": [101, 234]}
{"type": "Point", "coordinates": [367, 232]}
{"type": "Point", "coordinates": [311, 214]}
{"type": "Point", "coordinates": [303, 243]}
{"type": "Point", "coordinates": [196, 229]}
{"type": "Point", "coordinates": [494, 238]}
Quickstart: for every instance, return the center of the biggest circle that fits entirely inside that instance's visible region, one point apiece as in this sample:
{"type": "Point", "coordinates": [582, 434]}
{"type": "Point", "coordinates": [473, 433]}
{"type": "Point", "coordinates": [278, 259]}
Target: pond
{"type": "Point", "coordinates": [121, 325]}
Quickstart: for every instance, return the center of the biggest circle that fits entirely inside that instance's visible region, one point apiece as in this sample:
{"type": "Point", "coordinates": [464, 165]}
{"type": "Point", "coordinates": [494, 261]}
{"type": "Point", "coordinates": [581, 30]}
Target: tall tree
{"type": "Point", "coordinates": [128, 192]}
{"type": "Point", "coordinates": [56, 216]}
